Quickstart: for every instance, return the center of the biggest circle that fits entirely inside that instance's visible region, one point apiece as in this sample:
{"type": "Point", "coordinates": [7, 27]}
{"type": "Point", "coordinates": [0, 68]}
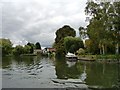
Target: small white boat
{"type": "Point", "coordinates": [71, 56]}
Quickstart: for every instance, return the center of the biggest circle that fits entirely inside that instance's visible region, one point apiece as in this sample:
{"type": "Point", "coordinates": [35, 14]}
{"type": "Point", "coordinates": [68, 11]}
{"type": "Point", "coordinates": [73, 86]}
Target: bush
{"type": "Point", "coordinates": [81, 51]}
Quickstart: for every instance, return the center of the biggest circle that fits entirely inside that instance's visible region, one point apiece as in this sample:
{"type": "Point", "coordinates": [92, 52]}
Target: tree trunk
{"type": "Point", "coordinates": [100, 50]}
{"type": "Point", "coordinates": [117, 48]}
{"type": "Point", "coordinates": [103, 47]}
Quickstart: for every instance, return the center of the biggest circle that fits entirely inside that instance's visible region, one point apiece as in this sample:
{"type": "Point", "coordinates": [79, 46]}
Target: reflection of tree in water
{"type": "Point", "coordinates": [117, 85]}
{"type": "Point", "coordinates": [20, 61]}
{"type": "Point", "coordinates": [118, 75]}
{"type": "Point", "coordinates": [101, 74]}
{"type": "Point", "coordinates": [64, 70]}
{"type": "Point", "coordinates": [6, 61]}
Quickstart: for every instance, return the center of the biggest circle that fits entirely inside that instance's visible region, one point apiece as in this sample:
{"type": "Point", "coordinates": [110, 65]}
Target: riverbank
{"type": "Point", "coordinates": [107, 58]}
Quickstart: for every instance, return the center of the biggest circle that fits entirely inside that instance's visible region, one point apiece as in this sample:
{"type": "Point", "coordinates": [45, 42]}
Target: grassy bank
{"type": "Point", "coordinates": [100, 57]}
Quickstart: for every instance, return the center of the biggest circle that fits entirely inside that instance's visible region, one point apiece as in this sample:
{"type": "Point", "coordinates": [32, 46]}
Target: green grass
{"type": "Point", "coordinates": [100, 56]}
{"type": "Point", "coordinates": [108, 56]}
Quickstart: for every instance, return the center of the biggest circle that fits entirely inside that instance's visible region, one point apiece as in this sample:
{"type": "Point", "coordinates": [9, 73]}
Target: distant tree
{"type": "Point", "coordinates": [37, 45]}
{"type": "Point", "coordinates": [18, 50]}
{"type": "Point", "coordinates": [60, 35]}
{"type": "Point", "coordinates": [27, 49]}
{"type": "Point", "coordinates": [32, 46]}
{"type": "Point", "coordinates": [72, 44]}
{"type": "Point", "coordinates": [6, 46]}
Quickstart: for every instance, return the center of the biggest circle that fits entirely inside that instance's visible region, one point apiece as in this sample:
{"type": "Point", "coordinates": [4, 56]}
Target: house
{"type": "Point", "coordinates": [51, 50]}
{"type": "Point", "coordinates": [37, 51]}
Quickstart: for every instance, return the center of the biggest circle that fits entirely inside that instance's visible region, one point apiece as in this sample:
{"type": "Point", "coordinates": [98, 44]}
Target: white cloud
{"type": "Point", "coordinates": [38, 20]}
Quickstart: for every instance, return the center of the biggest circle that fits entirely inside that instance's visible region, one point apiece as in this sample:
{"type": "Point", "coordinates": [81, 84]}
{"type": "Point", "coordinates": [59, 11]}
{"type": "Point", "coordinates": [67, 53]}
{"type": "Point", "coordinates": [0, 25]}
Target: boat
{"type": "Point", "coordinates": [71, 56]}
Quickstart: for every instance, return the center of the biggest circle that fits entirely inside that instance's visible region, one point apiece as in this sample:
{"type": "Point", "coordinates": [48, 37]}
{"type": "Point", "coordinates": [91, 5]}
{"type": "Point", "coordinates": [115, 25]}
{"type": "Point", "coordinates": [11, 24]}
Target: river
{"type": "Point", "coordinates": [39, 72]}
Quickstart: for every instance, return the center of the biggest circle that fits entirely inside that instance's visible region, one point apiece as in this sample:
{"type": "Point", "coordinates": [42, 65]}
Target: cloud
{"type": "Point", "coordinates": [38, 20]}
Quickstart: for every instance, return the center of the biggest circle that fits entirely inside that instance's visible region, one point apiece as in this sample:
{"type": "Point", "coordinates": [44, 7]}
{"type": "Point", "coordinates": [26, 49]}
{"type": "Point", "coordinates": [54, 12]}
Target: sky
{"type": "Point", "coordinates": [37, 20]}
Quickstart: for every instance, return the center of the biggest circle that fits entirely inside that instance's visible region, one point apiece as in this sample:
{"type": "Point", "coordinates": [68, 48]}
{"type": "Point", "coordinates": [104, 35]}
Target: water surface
{"type": "Point", "coordinates": [38, 72]}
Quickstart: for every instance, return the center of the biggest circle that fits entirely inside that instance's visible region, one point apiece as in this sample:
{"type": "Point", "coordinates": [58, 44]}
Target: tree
{"type": "Point", "coordinates": [72, 44]}
{"type": "Point", "coordinates": [104, 26]}
{"type": "Point", "coordinates": [64, 32]}
{"type": "Point", "coordinates": [60, 35]}
{"type": "Point", "coordinates": [32, 46]}
{"type": "Point", "coordinates": [114, 14]}
{"type": "Point", "coordinates": [91, 46]}
{"type": "Point", "coordinates": [37, 45]}
{"type": "Point", "coordinates": [27, 49]}
{"type": "Point", "coordinates": [18, 50]}
{"type": "Point", "coordinates": [83, 32]}
{"type": "Point", "coordinates": [6, 46]}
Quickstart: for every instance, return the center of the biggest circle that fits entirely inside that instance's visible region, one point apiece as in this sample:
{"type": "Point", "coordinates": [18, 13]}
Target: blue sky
{"type": "Point", "coordinates": [38, 20]}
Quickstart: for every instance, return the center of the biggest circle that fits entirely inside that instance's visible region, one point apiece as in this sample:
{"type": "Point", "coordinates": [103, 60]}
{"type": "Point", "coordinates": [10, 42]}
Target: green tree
{"type": "Point", "coordinates": [37, 45]}
{"type": "Point", "coordinates": [104, 25]}
{"type": "Point", "coordinates": [91, 46]}
{"type": "Point", "coordinates": [83, 32]}
{"type": "Point", "coordinates": [27, 49]}
{"type": "Point", "coordinates": [32, 46]}
{"type": "Point", "coordinates": [18, 50]}
{"type": "Point", "coordinates": [72, 44]}
{"type": "Point", "coordinates": [60, 35]}
{"type": "Point", "coordinates": [6, 46]}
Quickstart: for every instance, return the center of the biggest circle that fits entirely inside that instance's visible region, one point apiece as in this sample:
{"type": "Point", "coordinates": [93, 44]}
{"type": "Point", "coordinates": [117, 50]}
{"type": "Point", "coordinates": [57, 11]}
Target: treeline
{"type": "Point", "coordinates": [103, 29]}
{"type": "Point", "coordinates": [8, 49]}
{"type": "Point", "coordinates": [102, 35]}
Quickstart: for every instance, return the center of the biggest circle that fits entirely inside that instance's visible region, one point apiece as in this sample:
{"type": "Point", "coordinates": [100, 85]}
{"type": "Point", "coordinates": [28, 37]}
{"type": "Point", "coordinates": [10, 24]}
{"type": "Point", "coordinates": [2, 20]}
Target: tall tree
{"type": "Point", "coordinates": [104, 25]}
{"type": "Point", "coordinates": [37, 45]}
{"type": "Point", "coordinates": [60, 35]}
{"type": "Point", "coordinates": [31, 47]}
{"type": "Point", "coordinates": [83, 32]}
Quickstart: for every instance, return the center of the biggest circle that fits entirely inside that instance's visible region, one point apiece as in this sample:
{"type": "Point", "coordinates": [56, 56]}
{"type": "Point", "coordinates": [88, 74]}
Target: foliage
{"type": "Point", "coordinates": [27, 49]}
{"type": "Point", "coordinates": [37, 45]}
{"type": "Point", "coordinates": [81, 51]}
{"type": "Point", "coordinates": [32, 46]}
{"type": "Point", "coordinates": [91, 46]}
{"type": "Point", "coordinates": [104, 27]}
{"type": "Point", "coordinates": [83, 32]}
{"type": "Point", "coordinates": [72, 44]}
{"type": "Point", "coordinates": [6, 46]}
{"type": "Point", "coordinates": [18, 50]}
{"type": "Point", "coordinates": [64, 32]}
{"type": "Point", "coordinates": [60, 35]}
